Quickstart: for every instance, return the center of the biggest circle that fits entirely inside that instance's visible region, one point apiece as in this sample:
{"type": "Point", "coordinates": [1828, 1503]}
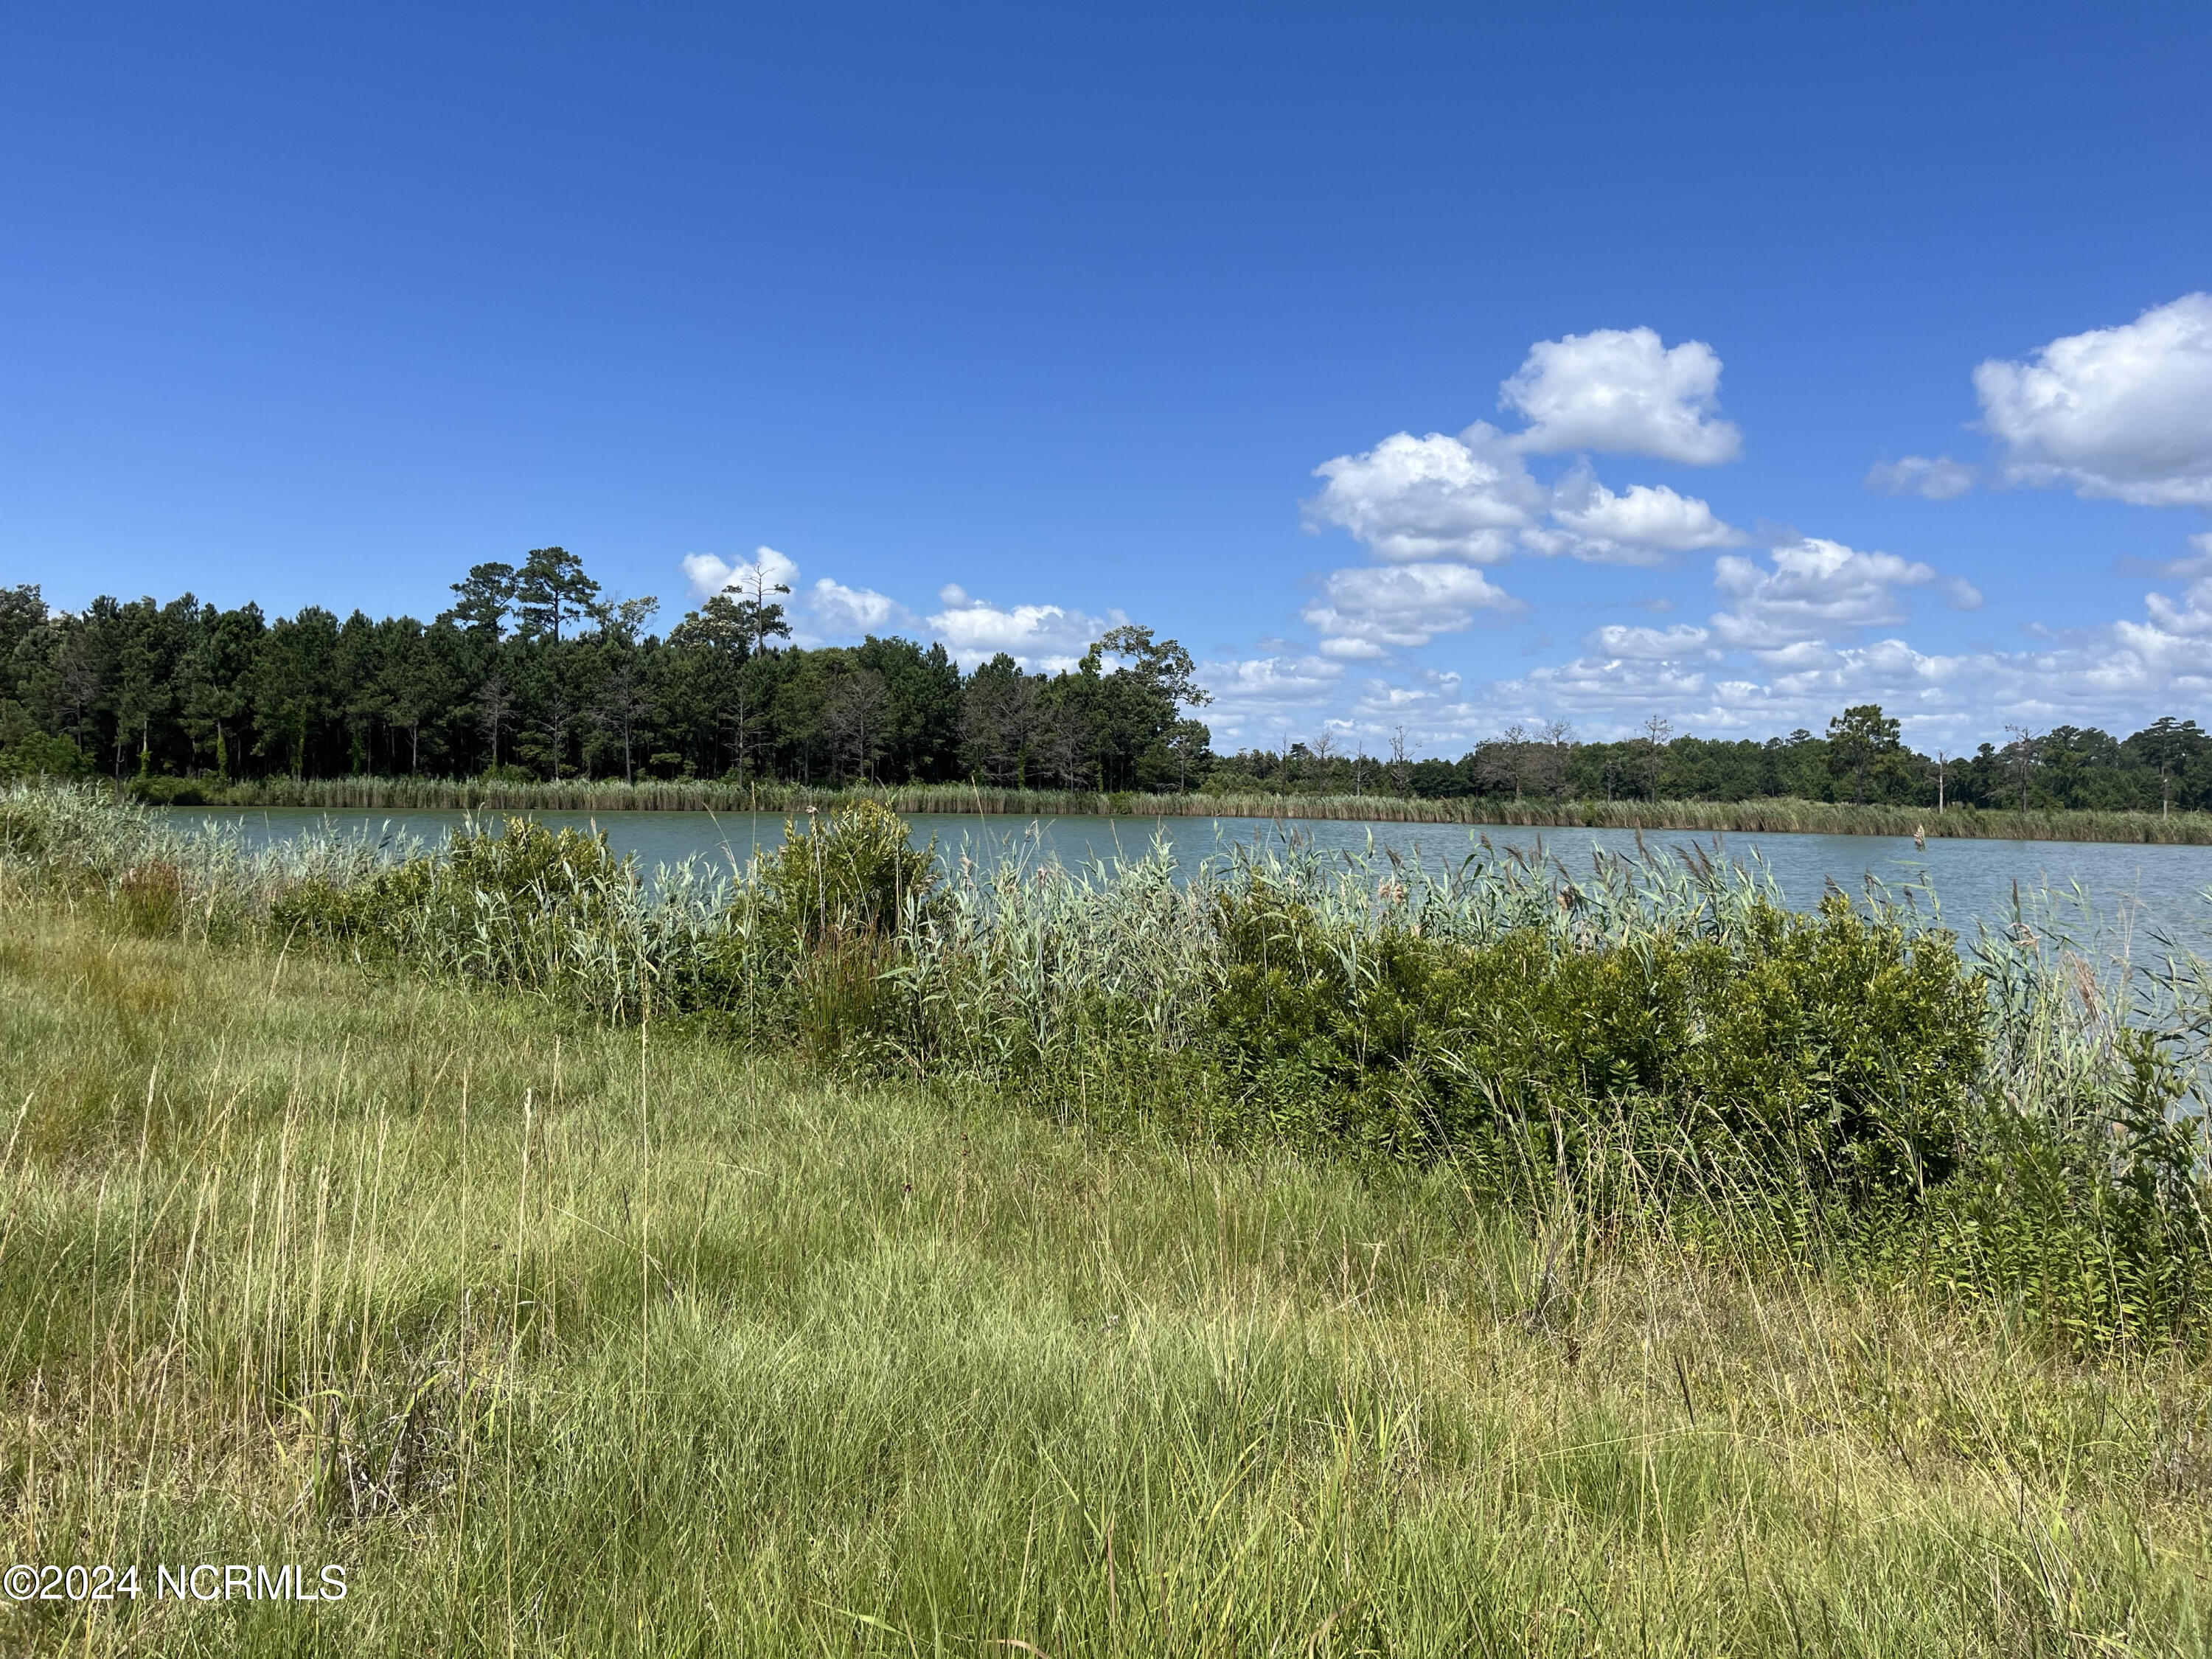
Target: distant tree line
{"type": "Point", "coordinates": [1860, 758]}
{"type": "Point", "coordinates": [534, 672]}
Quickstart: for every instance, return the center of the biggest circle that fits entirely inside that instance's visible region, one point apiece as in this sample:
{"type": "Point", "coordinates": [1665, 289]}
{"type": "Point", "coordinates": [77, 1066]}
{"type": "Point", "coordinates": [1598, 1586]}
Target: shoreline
{"type": "Point", "coordinates": [1783, 815]}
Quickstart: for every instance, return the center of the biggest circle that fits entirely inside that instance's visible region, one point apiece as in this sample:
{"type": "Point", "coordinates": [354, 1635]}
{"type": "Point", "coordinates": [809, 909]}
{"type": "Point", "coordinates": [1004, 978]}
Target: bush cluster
{"type": "Point", "coordinates": [1838, 1045]}
{"type": "Point", "coordinates": [1660, 1041]}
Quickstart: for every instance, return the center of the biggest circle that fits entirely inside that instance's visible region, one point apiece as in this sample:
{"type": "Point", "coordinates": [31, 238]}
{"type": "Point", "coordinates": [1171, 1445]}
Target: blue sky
{"type": "Point", "coordinates": [1004, 321]}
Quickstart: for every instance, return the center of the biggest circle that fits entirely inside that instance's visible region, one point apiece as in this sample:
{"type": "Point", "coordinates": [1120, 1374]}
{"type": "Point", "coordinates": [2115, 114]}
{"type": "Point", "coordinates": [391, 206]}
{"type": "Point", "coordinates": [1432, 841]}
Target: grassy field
{"type": "Point", "coordinates": [573, 1340]}
{"type": "Point", "coordinates": [1752, 817]}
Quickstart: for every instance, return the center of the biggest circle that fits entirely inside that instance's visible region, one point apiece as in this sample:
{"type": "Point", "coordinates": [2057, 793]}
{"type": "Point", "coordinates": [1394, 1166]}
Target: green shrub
{"type": "Point", "coordinates": [525, 860]}
{"type": "Point", "coordinates": [1660, 1044]}
{"type": "Point", "coordinates": [34, 755]}
{"type": "Point", "coordinates": [852, 871]}
{"type": "Point", "coordinates": [1833, 1050]}
{"type": "Point", "coordinates": [484, 882]}
{"type": "Point", "coordinates": [2103, 1233]}
{"type": "Point", "coordinates": [169, 792]}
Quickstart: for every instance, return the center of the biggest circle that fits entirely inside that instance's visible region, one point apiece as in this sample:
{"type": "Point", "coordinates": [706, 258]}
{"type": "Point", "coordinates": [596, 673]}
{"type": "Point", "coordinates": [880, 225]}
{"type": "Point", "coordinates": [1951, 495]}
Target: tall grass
{"type": "Point", "coordinates": [571, 1338]}
{"type": "Point", "coordinates": [1652, 1041]}
{"type": "Point", "coordinates": [611, 795]}
{"type": "Point", "coordinates": [1784, 815]}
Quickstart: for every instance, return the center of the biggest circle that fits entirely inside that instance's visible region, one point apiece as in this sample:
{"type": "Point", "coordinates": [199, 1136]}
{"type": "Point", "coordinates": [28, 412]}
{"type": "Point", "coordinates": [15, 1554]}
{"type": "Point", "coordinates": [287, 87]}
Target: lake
{"type": "Point", "coordinates": [2131, 888]}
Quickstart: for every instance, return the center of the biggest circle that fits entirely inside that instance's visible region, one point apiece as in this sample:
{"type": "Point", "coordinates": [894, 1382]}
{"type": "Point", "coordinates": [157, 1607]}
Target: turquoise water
{"type": "Point", "coordinates": [2131, 890]}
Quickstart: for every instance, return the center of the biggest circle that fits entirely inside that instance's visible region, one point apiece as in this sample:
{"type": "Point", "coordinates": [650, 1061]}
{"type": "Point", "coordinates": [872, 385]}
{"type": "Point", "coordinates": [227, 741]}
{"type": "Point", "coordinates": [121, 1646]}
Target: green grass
{"type": "Point", "coordinates": [1786, 815]}
{"type": "Point", "coordinates": [605, 1341]}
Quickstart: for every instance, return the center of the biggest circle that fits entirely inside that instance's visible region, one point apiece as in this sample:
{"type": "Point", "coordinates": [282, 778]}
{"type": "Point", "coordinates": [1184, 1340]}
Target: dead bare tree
{"type": "Point", "coordinates": [1505, 759]}
{"type": "Point", "coordinates": [853, 716]}
{"type": "Point", "coordinates": [1548, 756]}
{"type": "Point", "coordinates": [2021, 752]}
{"type": "Point", "coordinates": [494, 706]}
{"type": "Point", "coordinates": [1323, 750]}
{"type": "Point", "coordinates": [1658, 731]}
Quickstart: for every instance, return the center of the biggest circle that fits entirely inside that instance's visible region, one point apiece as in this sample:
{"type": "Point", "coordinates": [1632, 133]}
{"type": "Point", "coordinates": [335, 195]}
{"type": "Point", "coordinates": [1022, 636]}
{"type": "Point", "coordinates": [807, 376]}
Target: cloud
{"type": "Point", "coordinates": [2116, 674]}
{"type": "Point", "coordinates": [1602, 684]}
{"type": "Point", "coordinates": [1590, 549]}
{"type": "Point", "coordinates": [1288, 678]}
{"type": "Point", "coordinates": [1364, 612]}
{"type": "Point", "coordinates": [1417, 503]}
{"type": "Point", "coordinates": [708, 575]}
{"type": "Point", "coordinates": [823, 614]}
{"type": "Point", "coordinates": [2189, 564]}
{"type": "Point", "coordinates": [1409, 499]}
{"type": "Point", "coordinates": [1814, 590]}
{"type": "Point", "coordinates": [2123, 413]}
{"type": "Point", "coordinates": [2176, 630]}
{"type": "Point", "coordinates": [1271, 694]}
{"type": "Point", "coordinates": [1798, 620]}
{"type": "Point", "coordinates": [1938, 477]}
{"type": "Point", "coordinates": [1640, 527]}
{"type": "Point", "coordinates": [1673, 644]}
{"type": "Point", "coordinates": [1621, 392]}
{"type": "Point", "coordinates": [1047, 637]}
{"type": "Point", "coordinates": [836, 612]}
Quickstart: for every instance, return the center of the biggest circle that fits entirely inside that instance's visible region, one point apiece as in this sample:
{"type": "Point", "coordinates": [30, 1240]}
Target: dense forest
{"type": "Point", "coordinates": [533, 673]}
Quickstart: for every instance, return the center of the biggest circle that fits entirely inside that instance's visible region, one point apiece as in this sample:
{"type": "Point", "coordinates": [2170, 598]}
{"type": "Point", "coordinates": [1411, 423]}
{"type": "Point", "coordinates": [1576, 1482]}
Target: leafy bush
{"type": "Point", "coordinates": [525, 861]}
{"type": "Point", "coordinates": [852, 872]}
{"type": "Point", "coordinates": [2103, 1231]}
{"type": "Point", "coordinates": [169, 792]}
{"type": "Point", "coordinates": [1661, 1034]}
{"type": "Point", "coordinates": [508, 902]}
{"type": "Point", "coordinates": [1836, 1048]}
{"type": "Point", "coordinates": [35, 754]}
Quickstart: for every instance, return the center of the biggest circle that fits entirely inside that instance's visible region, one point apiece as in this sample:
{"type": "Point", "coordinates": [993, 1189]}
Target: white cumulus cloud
{"type": "Point", "coordinates": [1938, 477]}
{"type": "Point", "coordinates": [1438, 497]}
{"type": "Point", "coordinates": [1796, 622]}
{"type": "Point", "coordinates": [1812, 590]}
{"type": "Point", "coordinates": [836, 612]}
{"type": "Point", "coordinates": [1673, 644]}
{"type": "Point", "coordinates": [1048, 637]}
{"type": "Point", "coordinates": [824, 614]}
{"type": "Point", "coordinates": [1640, 526]}
{"type": "Point", "coordinates": [1365, 612]}
{"type": "Point", "coordinates": [2124, 412]}
{"type": "Point", "coordinates": [1284, 678]}
{"type": "Point", "coordinates": [1469, 500]}
{"type": "Point", "coordinates": [710, 574]}
{"type": "Point", "coordinates": [1623, 391]}
{"type": "Point", "coordinates": [1270, 694]}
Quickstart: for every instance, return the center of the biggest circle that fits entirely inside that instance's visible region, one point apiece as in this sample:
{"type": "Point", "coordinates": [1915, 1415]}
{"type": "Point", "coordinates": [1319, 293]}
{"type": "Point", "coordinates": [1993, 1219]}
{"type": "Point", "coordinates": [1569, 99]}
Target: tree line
{"type": "Point", "coordinates": [534, 672]}
{"type": "Point", "coordinates": [1860, 758]}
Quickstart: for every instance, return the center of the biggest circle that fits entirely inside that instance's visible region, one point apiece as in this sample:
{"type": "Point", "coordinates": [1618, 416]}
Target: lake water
{"type": "Point", "coordinates": [2130, 889]}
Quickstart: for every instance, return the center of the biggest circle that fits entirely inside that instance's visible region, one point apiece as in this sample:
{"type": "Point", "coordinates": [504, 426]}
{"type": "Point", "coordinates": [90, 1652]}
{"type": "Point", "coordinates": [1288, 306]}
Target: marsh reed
{"type": "Point", "coordinates": [443, 1227]}
{"type": "Point", "coordinates": [1786, 815]}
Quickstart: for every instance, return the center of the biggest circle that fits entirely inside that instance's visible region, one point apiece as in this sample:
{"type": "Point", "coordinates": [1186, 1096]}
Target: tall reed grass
{"type": "Point", "coordinates": [570, 1338]}
{"type": "Point", "coordinates": [1653, 1039]}
{"type": "Point", "coordinates": [1784, 815]}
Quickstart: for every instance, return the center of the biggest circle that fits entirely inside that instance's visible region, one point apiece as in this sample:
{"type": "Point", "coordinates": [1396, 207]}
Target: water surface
{"type": "Point", "coordinates": [2130, 889]}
